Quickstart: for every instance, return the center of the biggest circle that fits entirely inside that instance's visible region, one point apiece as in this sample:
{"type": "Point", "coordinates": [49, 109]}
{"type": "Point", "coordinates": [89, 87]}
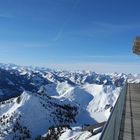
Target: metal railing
{"type": "Point", "coordinates": [112, 127]}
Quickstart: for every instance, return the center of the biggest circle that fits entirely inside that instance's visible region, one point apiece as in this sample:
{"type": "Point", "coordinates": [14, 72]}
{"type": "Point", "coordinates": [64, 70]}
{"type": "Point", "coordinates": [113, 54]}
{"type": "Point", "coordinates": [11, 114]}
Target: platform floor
{"type": "Point", "coordinates": [130, 126]}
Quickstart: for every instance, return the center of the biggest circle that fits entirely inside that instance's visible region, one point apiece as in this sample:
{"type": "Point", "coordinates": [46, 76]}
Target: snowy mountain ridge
{"type": "Point", "coordinates": [39, 102]}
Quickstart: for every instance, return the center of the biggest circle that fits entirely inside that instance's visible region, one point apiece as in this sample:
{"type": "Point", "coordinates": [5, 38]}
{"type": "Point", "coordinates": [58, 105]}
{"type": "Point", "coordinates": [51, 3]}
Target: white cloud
{"type": "Point", "coordinates": [100, 29]}
{"type": "Point", "coordinates": [100, 67]}
{"type": "Point", "coordinates": [6, 16]}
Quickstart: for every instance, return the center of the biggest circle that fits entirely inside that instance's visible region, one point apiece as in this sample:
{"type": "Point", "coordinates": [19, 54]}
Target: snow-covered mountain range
{"type": "Point", "coordinates": [40, 103]}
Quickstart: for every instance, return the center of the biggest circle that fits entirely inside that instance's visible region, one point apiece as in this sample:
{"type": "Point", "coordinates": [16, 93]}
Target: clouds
{"type": "Point", "coordinates": [99, 67]}
{"type": "Point", "coordinates": [6, 16]}
{"type": "Point", "coordinates": [95, 29]}
{"type": "Point", "coordinates": [23, 45]}
{"type": "Point", "coordinates": [68, 18]}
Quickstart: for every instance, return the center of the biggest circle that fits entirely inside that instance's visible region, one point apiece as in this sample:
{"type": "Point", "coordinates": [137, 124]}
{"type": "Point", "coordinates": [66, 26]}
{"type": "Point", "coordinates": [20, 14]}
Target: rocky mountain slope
{"type": "Point", "coordinates": [39, 102]}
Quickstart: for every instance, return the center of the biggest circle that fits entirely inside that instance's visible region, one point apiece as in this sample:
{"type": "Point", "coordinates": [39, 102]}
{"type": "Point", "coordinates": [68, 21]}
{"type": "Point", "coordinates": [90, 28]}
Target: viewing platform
{"type": "Point", "coordinates": [124, 121]}
{"type": "Point", "coordinates": [130, 126]}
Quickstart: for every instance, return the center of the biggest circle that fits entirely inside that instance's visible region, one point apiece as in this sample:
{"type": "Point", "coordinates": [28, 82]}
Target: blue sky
{"type": "Point", "coordinates": [70, 34]}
